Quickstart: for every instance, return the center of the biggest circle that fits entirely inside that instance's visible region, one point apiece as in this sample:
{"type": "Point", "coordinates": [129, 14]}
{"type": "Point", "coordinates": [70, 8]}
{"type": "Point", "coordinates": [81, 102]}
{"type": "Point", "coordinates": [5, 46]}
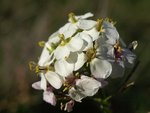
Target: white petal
{"type": "Point", "coordinates": [89, 85]}
{"type": "Point", "coordinates": [49, 97]}
{"type": "Point", "coordinates": [68, 30]}
{"type": "Point", "coordinates": [53, 35]}
{"type": "Point", "coordinates": [87, 15]}
{"type": "Point", "coordinates": [36, 85]}
{"type": "Point", "coordinates": [80, 61]}
{"type": "Point", "coordinates": [100, 68]}
{"type": "Point", "coordinates": [86, 86]}
{"type": "Point", "coordinates": [129, 58]}
{"type": "Point", "coordinates": [72, 58]}
{"type": "Point", "coordinates": [88, 40]}
{"type": "Point", "coordinates": [61, 52]}
{"type": "Point", "coordinates": [110, 32]}
{"type": "Point", "coordinates": [76, 95]}
{"type": "Point", "coordinates": [107, 24]}
{"type": "Point", "coordinates": [93, 33]}
{"type": "Point", "coordinates": [112, 36]}
{"type": "Point", "coordinates": [45, 57]}
{"type": "Point", "coordinates": [75, 44]}
{"type": "Point", "coordinates": [101, 52]}
{"type": "Point", "coordinates": [53, 79]}
{"type": "Point", "coordinates": [43, 82]}
{"type": "Point", "coordinates": [110, 52]}
{"type": "Point", "coordinates": [86, 24]}
{"type": "Point", "coordinates": [63, 68]}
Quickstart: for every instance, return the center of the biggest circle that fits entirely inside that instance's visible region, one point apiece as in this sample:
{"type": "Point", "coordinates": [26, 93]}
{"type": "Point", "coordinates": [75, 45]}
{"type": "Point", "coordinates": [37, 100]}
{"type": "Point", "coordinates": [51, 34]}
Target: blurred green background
{"type": "Point", "coordinates": [23, 23]}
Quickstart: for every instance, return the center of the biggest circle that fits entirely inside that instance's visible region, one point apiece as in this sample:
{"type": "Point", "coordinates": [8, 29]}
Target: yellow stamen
{"type": "Point", "coordinates": [61, 36]}
{"type": "Point", "coordinates": [99, 25]}
{"type": "Point", "coordinates": [91, 54]}
{"type": "Point", "coordinates": [37, 69]}
{"type": "Point", "coordinates": [32, 65]}
{"type": "Point", "coordinates": [41, 43]}
{"type": "Point", "coordinates": [110, 21]}
{"type": "Point", "coordinates": [77, 74]}
{"type": "Point", "coordinates": [87, 64]}
{"type": "Point", "coordinates": [65, 89]}
{"type": "Point", "coordinates": [72, 17]}
{"type": "Point", "coordinates": [117, 47]}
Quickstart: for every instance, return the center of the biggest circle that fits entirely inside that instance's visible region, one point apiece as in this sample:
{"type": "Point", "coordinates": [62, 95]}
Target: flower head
{"type": "Point", "coordinates": [78, 58]}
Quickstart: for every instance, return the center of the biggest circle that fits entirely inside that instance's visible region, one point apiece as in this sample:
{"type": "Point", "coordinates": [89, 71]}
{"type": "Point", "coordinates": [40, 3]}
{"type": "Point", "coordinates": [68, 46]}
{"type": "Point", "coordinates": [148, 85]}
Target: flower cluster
{"type": "Point", "coordinates": [78, 58]}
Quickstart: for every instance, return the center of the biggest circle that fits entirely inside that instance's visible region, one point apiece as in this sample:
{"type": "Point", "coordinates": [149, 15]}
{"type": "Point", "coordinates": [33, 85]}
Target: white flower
{"type": "Point", "coordinates": [75, 23]}
{"type": "Point", "coordinates": [63, 68]}
{"type": "Point", "coordinates": [85, 16]}
{"type": "Point", "coordinates": [99, 66]}
{"type": "Point", "coordinates": [81, 22]}
{"type": "Point", "coordinates": [86, 86]}
{"type": "Point", "coordinates": [72, 44]}
{"type": "Point", "coordinates": [46, 58]}
{"type": "Point", "coordinates": [52, 78]}
{"type": "Point", "coordinates": [119, 56]}
{"type": "Point", "coordinates": [70, 56]}
{"type": "Point", "coordinates": [77, 59]}
{"type": "Point", "coordinates": [93, 33]}
{"type": "Point", "coordinates": [109, 31]}
{"type": "Point", "coordinates": [88, 42]}
{"type": "Point", "coordinates": [81, 59]}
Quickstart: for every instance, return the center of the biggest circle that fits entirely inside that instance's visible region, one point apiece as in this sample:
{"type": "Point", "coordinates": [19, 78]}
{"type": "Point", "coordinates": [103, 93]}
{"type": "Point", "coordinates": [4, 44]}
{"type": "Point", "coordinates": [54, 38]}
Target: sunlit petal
{"type": "Point", "coordinates": [75, 44]}
{"type": "Point", "coordinates": [36, 85]}
{"type": "Point", "coordinates": [68, 30]}
{"type": "Point", "coordinates": [93, 33]}
{"type": "Point", "coordinates": [89, 85]}
{"type": "Point", "coordinates": [80, 61]}
{"type": "Point", "coordinates": [53, 79]}
{"type": "Point", "coordinates": [43, 82]}
{"type": "Point", "coordinates": [86, 24]}
{"type": "Point", "coordinates": [61, 52]}
{"type": "Point", "coordinates": [63, 68]}
{"type": "Point", "coordinates": [100, 68]}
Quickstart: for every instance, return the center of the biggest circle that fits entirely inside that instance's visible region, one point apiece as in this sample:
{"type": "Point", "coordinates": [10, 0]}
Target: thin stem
{"type": "Point", "coordinates": [123, 86]}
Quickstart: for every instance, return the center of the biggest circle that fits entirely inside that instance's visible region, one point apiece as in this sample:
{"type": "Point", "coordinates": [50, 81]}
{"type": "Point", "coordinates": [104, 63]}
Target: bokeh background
{"type": "Point", "coordinates": [23, 23]}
